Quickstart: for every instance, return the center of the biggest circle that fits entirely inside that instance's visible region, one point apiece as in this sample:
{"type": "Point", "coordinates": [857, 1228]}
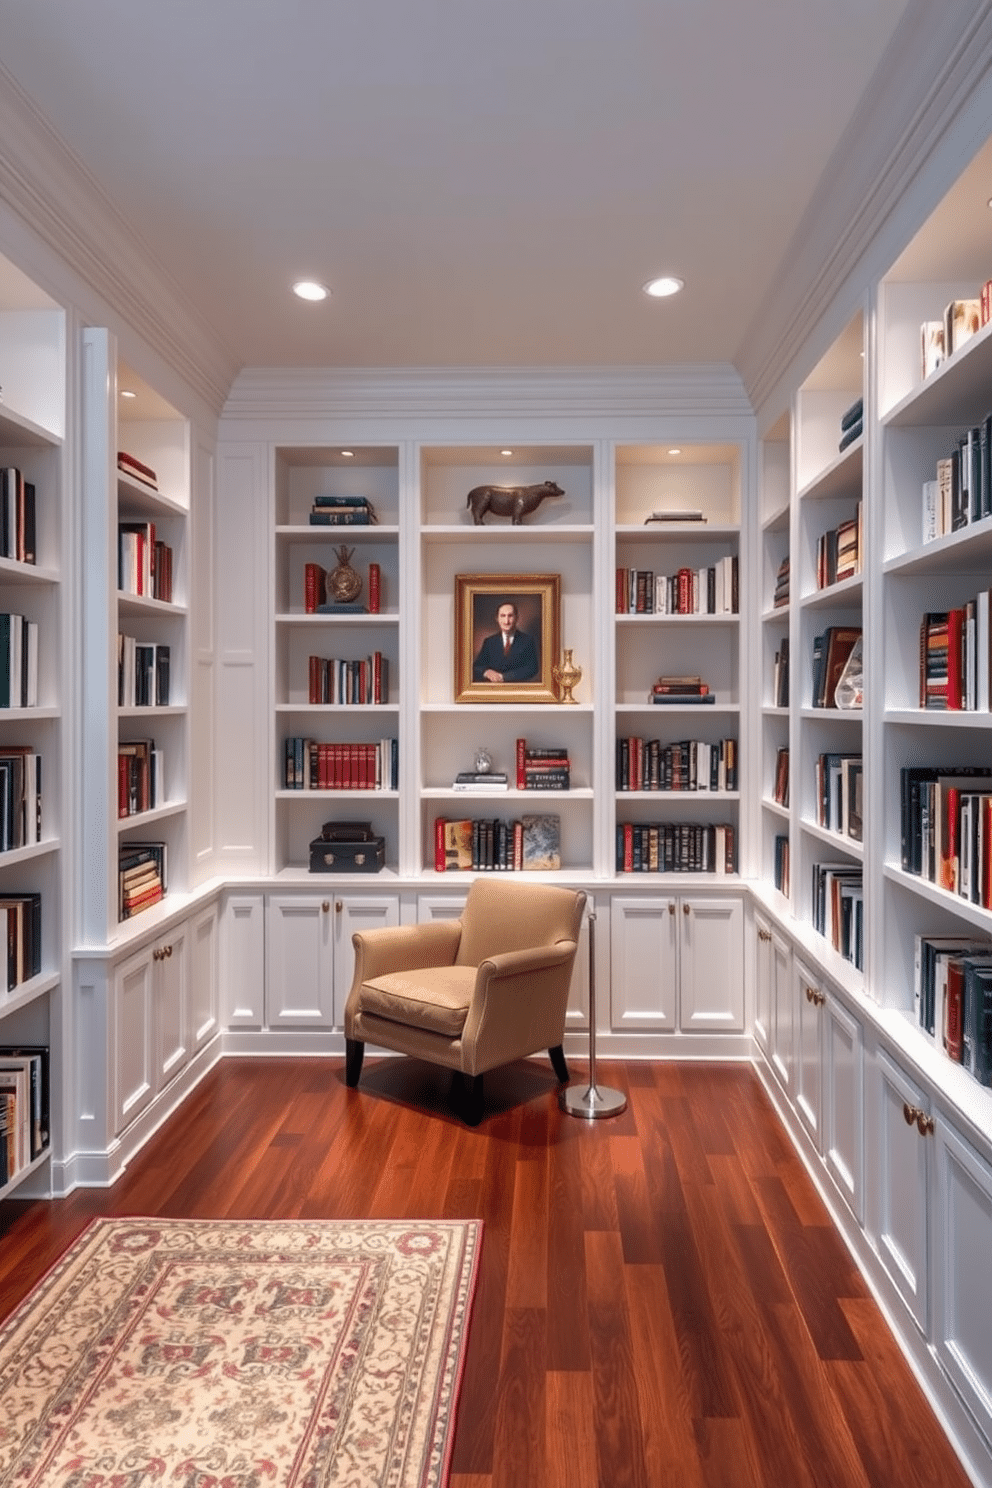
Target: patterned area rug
{"type": "Point", "coordinates": [240, 1354]}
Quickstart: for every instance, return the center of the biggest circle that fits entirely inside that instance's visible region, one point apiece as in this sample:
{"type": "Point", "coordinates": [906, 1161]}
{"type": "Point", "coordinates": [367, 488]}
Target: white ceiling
{"type": "Point", "coordinates": [479, 184]}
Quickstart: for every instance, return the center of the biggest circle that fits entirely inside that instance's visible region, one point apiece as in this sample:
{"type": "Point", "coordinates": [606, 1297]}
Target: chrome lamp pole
{"type": "Point", "coordinates": [593, 1102]}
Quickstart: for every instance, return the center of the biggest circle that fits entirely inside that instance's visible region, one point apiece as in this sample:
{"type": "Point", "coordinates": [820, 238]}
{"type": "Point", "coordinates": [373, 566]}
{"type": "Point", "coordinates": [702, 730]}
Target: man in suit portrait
{"type": "Point", "coordinates": [508, 656]}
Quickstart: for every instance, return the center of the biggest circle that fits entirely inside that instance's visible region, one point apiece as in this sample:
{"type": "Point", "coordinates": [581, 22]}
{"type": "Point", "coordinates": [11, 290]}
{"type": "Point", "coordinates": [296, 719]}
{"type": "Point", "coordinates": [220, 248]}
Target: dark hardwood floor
{"type": "Point", "coordinates": [662, 1298]}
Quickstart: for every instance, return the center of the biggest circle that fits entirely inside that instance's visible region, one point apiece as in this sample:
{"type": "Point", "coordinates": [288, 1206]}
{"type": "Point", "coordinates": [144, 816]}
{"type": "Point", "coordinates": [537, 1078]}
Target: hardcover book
{"type": "Point", "coordinates": [542, 843]}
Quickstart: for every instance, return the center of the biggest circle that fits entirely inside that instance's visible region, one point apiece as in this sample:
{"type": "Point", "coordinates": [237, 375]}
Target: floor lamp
{"type": "Point", "coordinates": [593, 1102]}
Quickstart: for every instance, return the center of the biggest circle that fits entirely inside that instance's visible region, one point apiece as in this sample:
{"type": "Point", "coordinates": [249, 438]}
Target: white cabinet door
{"type": "Point", "coordinates": [808, 1068]}
{"type": "Point", "coordinates": [783, 997]}
{"type": "Point", "coordinates": [356, 912]}
{"type": "Point", "coordinates": [843, 1103]}
{"type": "Point", "coordinates": [902, 1162]}
{"type": "Point", "coordinates": [203, 991]}
{"type": "Point", "coordinates": [170, 962]}
{"type": "Point", "coordinates": [299, 982]}
{"type": "Point", "coordinates": [644, 961]}
{"type": "Point", "coordinates": [711, 970]}
{"type": "Point", "coordinates": [242, 958]}
{"type": "Point", "coordinates": [764, 972]}
{"type": "Point", "coordinates": [133, 1061]}
{"type": "Point", "coordinates": [962, 1295]}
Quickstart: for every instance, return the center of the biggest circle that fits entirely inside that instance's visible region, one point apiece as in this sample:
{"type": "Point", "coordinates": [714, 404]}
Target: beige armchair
{"type": "Point", "coordinates": [473, 993]}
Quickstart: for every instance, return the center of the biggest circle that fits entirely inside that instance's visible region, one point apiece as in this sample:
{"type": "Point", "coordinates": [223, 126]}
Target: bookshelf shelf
{"type": "Point", "coordinates": [841, 477]}
{"type": "Point", "coordinates": [843, 844]}
{"type": "Point", "coordinates": [847, 593]}
{"type": "Point", "coordinates": [968, 551]}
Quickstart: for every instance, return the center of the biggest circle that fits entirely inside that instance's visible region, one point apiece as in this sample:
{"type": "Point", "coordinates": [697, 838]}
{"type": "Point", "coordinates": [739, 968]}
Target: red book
{"type": "Point", "coordinates": [518, 845]}
{"type": "Point", "coordinates": [628, 847]}
{"type": "Point", "coordinates": [621, 599]}
{"type": "Point", "coordinates": [377, 677]}
{"type": "Point", "coordinates": [521, 764]}
{"type": "Point", "coordinates": [685, 591]}
{"type": "Point", "coordinates": [439, 863]}
{"type": "Point", "coordinates": [375, 588]}
{"type": "Point", "coordinates": [953, 1030]}
{"type": "Point", "coordinates": [313, 587]}
{"type": "Point", "coordinates": [955, 627]}
{"type": "Point", "coordinates": [314, 679]}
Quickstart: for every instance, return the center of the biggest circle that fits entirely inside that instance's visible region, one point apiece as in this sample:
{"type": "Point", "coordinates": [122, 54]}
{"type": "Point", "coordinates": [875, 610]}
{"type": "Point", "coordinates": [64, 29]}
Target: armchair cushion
{"type": "Point", "coordinates": [434, 998]}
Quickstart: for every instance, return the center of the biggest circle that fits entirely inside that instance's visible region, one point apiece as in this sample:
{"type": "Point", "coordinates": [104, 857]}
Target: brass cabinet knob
{"type": "Point", "coordinates": [924, 1122]}
{"type": "Point", "coordinates": [809, 994]}
{"type": "Point", "coordinates": [764, 934]}
{"type": "Point", "coordinates": [671, 906]}
{"type": "Point", "coordinates": [686, 909]}
{"type": "Point", "coordinates": [338, 906]}
{"type": "Point", "coordinates": [909, 1112]}
{"type": "Point", "coordinates": [167, 951]}
{"type": "Point", "coordinates": [326, 906]}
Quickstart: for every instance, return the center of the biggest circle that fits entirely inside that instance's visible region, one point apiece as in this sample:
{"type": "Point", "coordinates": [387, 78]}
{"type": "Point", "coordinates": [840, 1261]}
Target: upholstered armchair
{"type": "Point", "coordinates": [472, 993]}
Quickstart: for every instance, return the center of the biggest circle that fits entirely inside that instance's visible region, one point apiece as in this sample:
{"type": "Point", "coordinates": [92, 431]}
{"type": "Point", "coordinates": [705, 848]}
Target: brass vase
{"type": "Point", "coordinates": [567, 675]}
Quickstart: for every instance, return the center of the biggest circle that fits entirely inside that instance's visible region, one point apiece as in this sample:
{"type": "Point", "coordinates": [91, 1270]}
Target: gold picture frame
{"type": "Point", "coordinates": [481, 659]}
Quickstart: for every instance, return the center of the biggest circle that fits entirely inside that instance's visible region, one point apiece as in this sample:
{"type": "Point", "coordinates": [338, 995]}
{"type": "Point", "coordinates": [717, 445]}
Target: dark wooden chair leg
{"type": "Point", "coordinates": [557, 1057]}
{"type": "Point", "coordinates": [472, 1099]}
{"type": "Point", "coordinates": [354, 1053]}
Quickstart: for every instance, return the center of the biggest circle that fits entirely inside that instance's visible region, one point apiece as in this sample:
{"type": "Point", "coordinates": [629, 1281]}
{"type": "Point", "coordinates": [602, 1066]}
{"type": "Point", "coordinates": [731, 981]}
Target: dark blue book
{"type": "Point", "coordinates": [354, 517]}
{"type": "Point", "coordinates": [345, 501]}
{"type": "Point", "coordinates": [681, 698]}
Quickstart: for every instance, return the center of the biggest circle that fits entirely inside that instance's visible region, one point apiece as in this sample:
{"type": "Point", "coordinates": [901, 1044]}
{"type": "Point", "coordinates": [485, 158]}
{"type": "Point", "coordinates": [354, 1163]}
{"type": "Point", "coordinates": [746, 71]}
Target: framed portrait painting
{"type": "Point", "coordinates": [507, 632]}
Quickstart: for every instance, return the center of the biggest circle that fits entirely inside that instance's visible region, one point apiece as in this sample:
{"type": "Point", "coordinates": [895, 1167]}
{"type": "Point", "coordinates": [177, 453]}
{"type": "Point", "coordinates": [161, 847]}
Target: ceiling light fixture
{"type": "Point", "coordinates": [127, 393]}
{"type": "Point", "coordinates": [675, 451]}
{"type": "Point", "coordinates": [506, 452]}
{"type": "Point", "coordinates": [660, 289]}
{"type": "Point", "coordinates": [309, 289]}
{"type": "Point", "coordinates": [347, 454]}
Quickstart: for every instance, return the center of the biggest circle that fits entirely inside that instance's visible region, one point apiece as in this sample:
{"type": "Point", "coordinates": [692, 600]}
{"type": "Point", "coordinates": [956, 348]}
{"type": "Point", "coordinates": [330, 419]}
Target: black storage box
{"type": "Point", "coordinates": [335, 856]}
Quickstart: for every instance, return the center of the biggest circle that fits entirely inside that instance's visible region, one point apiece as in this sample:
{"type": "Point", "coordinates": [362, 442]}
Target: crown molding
{"type": "Point", "coordinates": [59, 201]}
{"type": "Point", "coordinates": [937, 59]}
{"type": "Point", "coordinates": [520, 392]}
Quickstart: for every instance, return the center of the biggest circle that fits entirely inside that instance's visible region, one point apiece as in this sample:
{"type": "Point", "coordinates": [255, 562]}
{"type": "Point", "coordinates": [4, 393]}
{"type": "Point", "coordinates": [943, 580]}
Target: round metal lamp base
{"type": "Point", "coordinates": [592, 1102]}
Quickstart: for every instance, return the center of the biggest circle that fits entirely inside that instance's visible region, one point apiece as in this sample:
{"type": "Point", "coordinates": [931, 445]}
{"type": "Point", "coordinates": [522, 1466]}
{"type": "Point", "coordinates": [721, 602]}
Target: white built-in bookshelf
{"type": "Point", "coordinates": [32, 433]}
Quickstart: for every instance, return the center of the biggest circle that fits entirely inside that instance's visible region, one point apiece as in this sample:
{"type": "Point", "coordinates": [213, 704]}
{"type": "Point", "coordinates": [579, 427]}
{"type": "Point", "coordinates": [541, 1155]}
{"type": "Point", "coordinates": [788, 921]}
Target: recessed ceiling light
{"type": "Point", "coordinates": [127, 393]}
{"type": "Point", "coordinates": [506, 452]}
{"type": "Point", "coordinates": [660, 289]}
{"type": "Point", "coordinates": [674, 451]}
{"type": "Point", "coordinates": [347, 454]}
{"type": "Point", "coordinates": [309, 289]}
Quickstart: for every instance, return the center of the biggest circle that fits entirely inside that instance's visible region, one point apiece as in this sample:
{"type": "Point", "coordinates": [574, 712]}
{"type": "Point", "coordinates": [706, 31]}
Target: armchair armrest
{"type": "Point", "coordinates": [404, 948]}
{"type": "Point", "coordinates": [536, 959]}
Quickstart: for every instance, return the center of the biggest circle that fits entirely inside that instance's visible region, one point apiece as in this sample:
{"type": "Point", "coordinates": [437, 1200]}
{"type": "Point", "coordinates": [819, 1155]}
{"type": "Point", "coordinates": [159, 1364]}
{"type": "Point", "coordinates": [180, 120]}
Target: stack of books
{"type": "Point", "coordinates": [838, 909]}
{"type": "Point", "coordinates": [679, 690]}
{"type": "Point", "coordinates": [24, 1107]}
{"type": "Point", "coordinates": [961, 490]}
{"type": "Point", "coordinates": [547, 768]}
{"type": "Point", "coordinates": [838, 552]}
{"type": "Point", "coordinates": [342, 511]}
{"type": "Point", "coordinates": [137, 470]}
{"type": "Point", "coordinates": [852, 424]}
{"type": "Point", "coordinates": [952, 995]}
{"type": "Point", "coordinates": [838, 794]}
{"type": "Point", "coordinates": [481, 780]}
{"type": "Point", "coordinates": [782, 583]}
{"type": "Point", "coordinates": [780, 675]}
{"type": "Point", "coordinates": [675, 847]}
{"type": "Point", "coordinates": [142, 878]}
{"type": "Point", "coordinates": [144, 562]}
{"type": "Point", "coordinates": [311, 765]}
{"type": "Point", "coordinates": [946, 827]}
{"type": "Point", "coordinates": [830, 653]}
{"type": "Point", "coordinates": [689, 591]}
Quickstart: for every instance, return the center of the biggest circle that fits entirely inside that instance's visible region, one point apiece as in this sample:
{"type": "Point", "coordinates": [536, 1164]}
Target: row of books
{"type": "Point", "coordinates": [18, 662]}
{"type": "Point", "coordinates": [315, 589]}
{"type": "Point", "coordinates": [25, 1103]}
{"type": "Point", "coordinates": [142, 673]}
{"type": "Point", "coordinates": [839, 804]}
{"type": "Point", "coordinates": [542, 768]}
{"type": "Point", "coordinates": [838, 909]}
{"type": "Point", "coordinates": [17, 516]}
{"type": "Point", "coordinates": [679, 765]}
{"type": "Point", "coordinates": [129, 464]}
{"type": "Point", "coordinates": [142, 877]}
{"type": "Point", "coordinates": [780, 783]}
{"type": "Point", "coordinates": [20, 796]}
{"type": "Point", "coordinates": [783, 584]}
{"type": "Point", "coordinates": [839, 551]}
{"type": "Point", "coordinates": [676, 847]}
{"type": "Point", "coordinates": [961, 320]}
{"type": "Point", "coordinates": [525, 844]}
{"type": "Point", "coordinates": [961, 490]}
{"type": "Point", "coordinates": [140, 777]}
{"type": "Point", "coordinates": [952, 995]}
{"type": "Point", "coordinates": [780, 675]}
{"type": "Point", "coordinates": [144, 562]}
{"type": "Point", "coordinates": [712, 590]}
{"type": "Point", "coordinates": [312, 765]}
{"type": "Point", "coordinates": [831, 651]}
{"type": "Point", "coordinates": [679, 691]}
{"type": "Point", "coordinates": [781, 864]}
{"type": "Point", "coordinates": [946, 827]}
{"type": "Point", "coordinates": [956, 656]}
{"type": "Point", "coordinates": [332, 680]}
{"type": "Point", "coordinates": [342, 511]}
{"type": "Point", "coordinates": [20, 929]}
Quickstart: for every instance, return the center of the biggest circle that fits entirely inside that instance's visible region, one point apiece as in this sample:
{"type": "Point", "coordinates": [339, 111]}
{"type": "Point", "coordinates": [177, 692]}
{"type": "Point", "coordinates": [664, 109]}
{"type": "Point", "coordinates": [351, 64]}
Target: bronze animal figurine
{"type": "Point", "coordinates": [515, 502]}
